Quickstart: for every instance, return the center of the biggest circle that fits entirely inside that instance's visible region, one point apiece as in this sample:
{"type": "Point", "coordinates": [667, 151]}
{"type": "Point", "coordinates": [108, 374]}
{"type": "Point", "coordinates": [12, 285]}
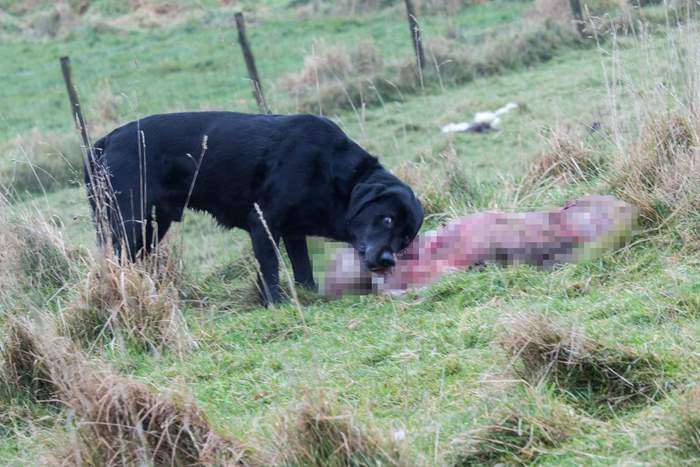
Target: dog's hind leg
{"type": "Point", "coordinates": [265, 243]}
{"type": "Point", "coordinates": [301, 262]}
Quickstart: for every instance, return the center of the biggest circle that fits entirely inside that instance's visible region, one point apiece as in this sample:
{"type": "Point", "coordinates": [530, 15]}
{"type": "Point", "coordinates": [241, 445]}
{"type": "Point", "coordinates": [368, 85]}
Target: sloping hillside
{"type": "Point", "coordinates": [594, 363]}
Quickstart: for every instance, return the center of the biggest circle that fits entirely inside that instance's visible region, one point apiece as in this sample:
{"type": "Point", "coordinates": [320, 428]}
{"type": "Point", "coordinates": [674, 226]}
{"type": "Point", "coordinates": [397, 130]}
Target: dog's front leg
{"type": "Point", "coordinates": [301, 263]}
{"type": "Point", "coordinates": [265, 250]}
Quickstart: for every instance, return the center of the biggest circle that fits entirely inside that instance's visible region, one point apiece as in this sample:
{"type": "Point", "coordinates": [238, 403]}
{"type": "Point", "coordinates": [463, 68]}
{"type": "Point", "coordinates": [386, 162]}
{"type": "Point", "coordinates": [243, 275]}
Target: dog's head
{"type": "Point", "coordinates": [382, 220]}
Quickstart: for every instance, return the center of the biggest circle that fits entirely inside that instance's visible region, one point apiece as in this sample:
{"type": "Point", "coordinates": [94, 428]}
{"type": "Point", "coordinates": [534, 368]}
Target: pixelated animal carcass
{"type": "Point", "coordinates": [584, 228]}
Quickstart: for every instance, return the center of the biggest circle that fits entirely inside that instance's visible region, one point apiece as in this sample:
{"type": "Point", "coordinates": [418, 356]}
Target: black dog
{"type": "Point", "coordinates": [305, 175]}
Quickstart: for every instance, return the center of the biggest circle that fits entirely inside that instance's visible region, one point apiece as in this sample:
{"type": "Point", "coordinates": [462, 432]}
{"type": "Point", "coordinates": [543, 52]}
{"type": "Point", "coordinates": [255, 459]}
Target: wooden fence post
{"type": "Point", "coordinates": [415, 35]}
{"type": "Point", "coordinates": [76, 112]}
{"type": "Point", "coordinates": [577, 11]}
{"type": "Point", "coordinates": [250, 64]}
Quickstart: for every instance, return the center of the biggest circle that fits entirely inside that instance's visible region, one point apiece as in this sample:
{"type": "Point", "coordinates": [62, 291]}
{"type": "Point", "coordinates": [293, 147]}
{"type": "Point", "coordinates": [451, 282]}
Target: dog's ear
{"type": "Point", "coordinates": [362, 194]}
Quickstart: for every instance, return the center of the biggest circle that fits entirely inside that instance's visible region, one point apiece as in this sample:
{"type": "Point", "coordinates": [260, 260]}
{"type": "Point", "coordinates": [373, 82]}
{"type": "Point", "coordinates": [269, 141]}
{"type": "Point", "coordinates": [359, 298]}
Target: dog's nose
{"type": "Point", "coordinates": [386, 260]}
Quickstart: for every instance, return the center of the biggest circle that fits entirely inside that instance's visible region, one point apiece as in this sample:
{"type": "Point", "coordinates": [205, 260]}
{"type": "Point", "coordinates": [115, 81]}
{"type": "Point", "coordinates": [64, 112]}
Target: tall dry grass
{"type": "Point", "coordinates": [567, 158]}
{"type": "Point", "coordinates": [364, 79]}
{"type": "Point", "coordinates": [135, 303]}
{"type": "Point", "coordinates": [41, 19]}
{"type": "Point", "coordinates": [656, 132]}
{"type": "Point", "coordinates": [308, 8]}
{"type": "Point", "coordinates": [118, 421]}
{"type": "Point", "coordinates": [35, 261]}
{"type": "Point", "coordinates": [685, 423]}
{"type": "Point", "coordinates": [440, 182]}
{"type": "Point", "coordinates": [319, 434]}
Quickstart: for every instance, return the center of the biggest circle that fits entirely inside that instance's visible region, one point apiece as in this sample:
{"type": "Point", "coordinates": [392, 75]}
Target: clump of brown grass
{"type": "Point", "coordinates": [119, 421]}
{"type": "Point", "coordinates": [22, 367]}
{"type": "Point", "coordinates": [599, 377]}
{"type": "Point", "coordinates": [556, 10]}
{"type": "Point", "coordinates": [439, 181]}
{"type": "Point", "coordinates": [686, 432]}
{"type": "Point", "coordinates": [334, 70]}
{"type": "Point", "coordinates": [340, 7]}
{"type": "Point", "coordinates": [150, 14]}
{"type": "Point", "coordinates": [449, 63]}
{"type": "Point", "coordinates": [56, 20]}
{"type": "Point", "coordinates": [318, 434]}
{"type": "Point", "coordinates": [133, 301]}
{"type": "Point", "coordinates": [359, 7]}
{"type": "Point", "coordinates": [567, 158]}
{"type": "Point", "coordinates": [659, 172]}
{"type": "Point", "coordinates": [517, 433]}
{"type": "Point", "coordinates": [126, 423]}
{"type": "Point", "coordinates": [34, 259]}
{"type": "Point", "coordinates": [599, 16]}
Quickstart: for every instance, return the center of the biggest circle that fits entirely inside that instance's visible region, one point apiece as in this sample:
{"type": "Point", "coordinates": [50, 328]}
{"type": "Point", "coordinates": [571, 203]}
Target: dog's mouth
{"type": "Point", "coordinates": [374, 268]}
{"type": "Point", "coordinates": [379, 269]}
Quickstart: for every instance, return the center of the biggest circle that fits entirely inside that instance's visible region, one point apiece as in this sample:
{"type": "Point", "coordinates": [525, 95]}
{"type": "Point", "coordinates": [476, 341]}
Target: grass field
{"type": "Point", "coordinates": [596, 363]}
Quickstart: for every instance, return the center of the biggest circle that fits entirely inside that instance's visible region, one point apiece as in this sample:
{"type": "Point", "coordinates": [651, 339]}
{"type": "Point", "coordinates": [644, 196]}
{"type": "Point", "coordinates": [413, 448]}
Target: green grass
{"type": "Point", "coordinates": [428, 364]}
{"type": "Point", "coordinates": [196, 66]}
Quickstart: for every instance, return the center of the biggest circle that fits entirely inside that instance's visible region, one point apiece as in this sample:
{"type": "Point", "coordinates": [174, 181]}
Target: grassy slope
{"type": "Point", "coordinates": [196, 66]}
{"type": "Point", "coordinates": [423, 365]}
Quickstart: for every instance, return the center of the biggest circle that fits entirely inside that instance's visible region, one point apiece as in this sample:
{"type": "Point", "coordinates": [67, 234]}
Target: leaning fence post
{"type": "Point", "coordinates": [76, 112]}
{"type": "Point", "coordinates": [250, 64]}
{"type": "Point", "coordinates": [577, 11]}
{"type": "Point", "coordinates": [415, 35]}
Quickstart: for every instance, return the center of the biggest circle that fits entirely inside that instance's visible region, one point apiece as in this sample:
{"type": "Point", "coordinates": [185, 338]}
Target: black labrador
{"type": "Point", "coordinates": [303, 173]}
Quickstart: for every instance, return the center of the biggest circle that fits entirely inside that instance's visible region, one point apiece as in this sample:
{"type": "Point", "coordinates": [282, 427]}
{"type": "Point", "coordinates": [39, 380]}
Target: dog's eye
{"type": "Point", "coordinates": [388, 221]}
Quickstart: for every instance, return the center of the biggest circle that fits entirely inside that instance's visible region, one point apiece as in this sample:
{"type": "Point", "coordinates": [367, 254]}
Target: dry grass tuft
{"type": "Point", "coordinates": [439, 181]}
{"type": "Point", "coordinates": [567, 159]}
{"type": "Point", "coordinates": [659, 173]}
{"type": "Point", "coordinates": [126, 423]}
{"type": "Point", "coordinates": [136, 302]}
{"type": "Point", "coordinates": [24, 367]}
{"type": "Point", "coordinates": [334, 72]}
{"type": "Point", "coordinates": [150, 14]}
{"type": "Point", "coordinates": [353, 83]}
{"type": "Point", "coordinates": [658, 141]}
{"type": "Point", "coordinates": [598, 377]}
{"type": "Point", "coordinates": [38, 19]}
{"type": "Point", "coordinates": [556, 10]}
{"type": "Point", "coordinates": [686, 433]}
{"type": "Point", "coordinates": [608, 16]}
{"type": "Point", "coordinates": [519, 431]}
{"type": "Point", "coordinates": [319, 435]}
{"type": "Point", "coordinates": [308, 8]}
{"type": "Point", "coordinates": [34, 260]}
{"type": "Point", "coordinates": [331, 63]}
{"type": "Point", "coordinates": [56, 20]}
{"type": "Point", "coordinates": [119, 421]}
